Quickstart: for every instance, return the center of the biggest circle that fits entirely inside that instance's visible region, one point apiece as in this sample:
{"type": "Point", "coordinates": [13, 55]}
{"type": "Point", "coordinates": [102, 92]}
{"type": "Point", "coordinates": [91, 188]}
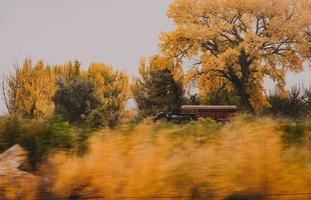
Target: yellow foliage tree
{"type": "Point", "coordinates": [241, 42]}
{"type": "Point", "coordinates": [112, 91]}
{"type": "Point", "coordinates": [67, 71]}
{"type": "Point", "coordinates": [30, 90]}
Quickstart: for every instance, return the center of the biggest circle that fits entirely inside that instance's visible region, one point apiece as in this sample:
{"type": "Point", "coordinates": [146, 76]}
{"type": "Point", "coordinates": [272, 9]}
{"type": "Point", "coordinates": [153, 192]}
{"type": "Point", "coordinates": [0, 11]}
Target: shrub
{"type": "Point", "coordinates": [293, 106]}
{"type": "Point", "coordinates": [75, 98]}
{"type": "Point", "coordinates": [39, 138]}
{"type": "Point", "coordinates": [96, 96]}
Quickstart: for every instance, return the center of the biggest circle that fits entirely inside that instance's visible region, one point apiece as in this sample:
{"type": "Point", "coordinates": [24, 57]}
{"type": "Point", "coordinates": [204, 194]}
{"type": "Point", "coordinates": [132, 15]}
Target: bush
{"type": "Point", "coordinates": [293, 106]}
{"type": "Point", "coordinates": [75, 98]}
{"type": "Point", "coordinates": [39, 138]}
{"type": "Point", "coordinates": [96, 96]}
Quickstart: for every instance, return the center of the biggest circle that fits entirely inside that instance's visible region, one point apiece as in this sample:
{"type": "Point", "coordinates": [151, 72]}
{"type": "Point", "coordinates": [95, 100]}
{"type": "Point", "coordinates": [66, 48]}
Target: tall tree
{"type": "Point", "coordinates": [241, 42]}
{"type": "Point", "coordinates": [29, 90]}
{"type": "Point", "coordinates": [157, 89]}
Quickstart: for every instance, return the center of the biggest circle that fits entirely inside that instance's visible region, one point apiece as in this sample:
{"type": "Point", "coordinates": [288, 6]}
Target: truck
{"type": "Point", "coordinates": [220, 113]}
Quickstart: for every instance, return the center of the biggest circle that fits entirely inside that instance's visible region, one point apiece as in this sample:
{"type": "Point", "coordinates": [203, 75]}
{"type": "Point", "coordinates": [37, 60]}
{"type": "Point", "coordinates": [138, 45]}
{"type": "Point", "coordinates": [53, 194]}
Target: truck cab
{"type": "Point", "coordinates": [162, 115]}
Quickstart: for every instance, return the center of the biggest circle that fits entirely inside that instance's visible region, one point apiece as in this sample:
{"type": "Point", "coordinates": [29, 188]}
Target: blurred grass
{"type": "Point", "coordinates": [250, 157]}
{"type": "Point", "coordinates": [246, 159]}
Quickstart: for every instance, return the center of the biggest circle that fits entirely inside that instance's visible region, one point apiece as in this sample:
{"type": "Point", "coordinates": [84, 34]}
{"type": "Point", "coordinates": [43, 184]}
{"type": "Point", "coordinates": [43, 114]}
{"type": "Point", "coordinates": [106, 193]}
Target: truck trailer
{"type": "Point", "coordinates": [215, 112]}
{"type": "Point", "coordinates": [219, 113]}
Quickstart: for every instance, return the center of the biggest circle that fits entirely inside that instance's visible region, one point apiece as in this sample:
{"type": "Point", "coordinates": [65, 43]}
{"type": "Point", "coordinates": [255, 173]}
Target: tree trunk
{"type": "Point", "coordinates": [245, 100]}
{"type": "Point", "coordinates": [245, 63]}
{"type": "Point", "coordinates": [241, 83]}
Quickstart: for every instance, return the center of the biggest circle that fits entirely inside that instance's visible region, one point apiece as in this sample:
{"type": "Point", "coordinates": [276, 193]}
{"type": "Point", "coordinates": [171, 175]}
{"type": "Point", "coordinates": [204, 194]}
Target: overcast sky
{"type": "Point", "coordinates": [116, 32]}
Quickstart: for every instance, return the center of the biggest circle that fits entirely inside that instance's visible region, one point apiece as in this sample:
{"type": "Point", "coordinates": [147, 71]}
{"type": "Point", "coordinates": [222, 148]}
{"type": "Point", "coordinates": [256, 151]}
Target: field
{"type": "Point", "coordinates": [252, 158]}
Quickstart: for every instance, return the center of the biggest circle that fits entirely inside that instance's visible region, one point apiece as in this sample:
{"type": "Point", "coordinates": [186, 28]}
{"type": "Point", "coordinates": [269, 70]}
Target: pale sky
{"type": "Point", "coordinates": [116, 32]}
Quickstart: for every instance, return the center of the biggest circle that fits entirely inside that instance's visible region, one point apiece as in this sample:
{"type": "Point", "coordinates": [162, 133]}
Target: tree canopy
{"type": "Point", "coordinates": [112, 92]}
{"type": "Point", "coordinates": [29, 90]}
{"type": "Point", "coordinates": [240, 42]}
{"type": "Point", "coordinates": [158, 89]}
{"type": "Point", "coordinates": [97, 95]}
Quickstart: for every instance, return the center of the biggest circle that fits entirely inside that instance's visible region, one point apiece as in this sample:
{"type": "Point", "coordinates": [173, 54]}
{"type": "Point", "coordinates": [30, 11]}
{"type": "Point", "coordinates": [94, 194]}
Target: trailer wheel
{"type": "Point", "coordinates": [220, 123]}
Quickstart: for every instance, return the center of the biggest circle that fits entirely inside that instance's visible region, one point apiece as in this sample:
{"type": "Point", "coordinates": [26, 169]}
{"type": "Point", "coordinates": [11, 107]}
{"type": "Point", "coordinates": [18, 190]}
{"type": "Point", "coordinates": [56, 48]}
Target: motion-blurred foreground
{"type": "Point", "coordinates": [248, 159]}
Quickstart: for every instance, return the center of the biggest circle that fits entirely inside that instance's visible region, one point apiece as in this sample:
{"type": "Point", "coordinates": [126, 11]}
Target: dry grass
{"type": "Point", "coordinates": [192, 160]}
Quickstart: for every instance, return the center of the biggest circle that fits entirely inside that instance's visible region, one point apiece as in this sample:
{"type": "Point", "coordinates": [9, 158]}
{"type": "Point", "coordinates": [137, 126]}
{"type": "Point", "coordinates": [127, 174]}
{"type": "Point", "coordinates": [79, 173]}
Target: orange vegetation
{"type": "Point", "coordinates": [192, 160]}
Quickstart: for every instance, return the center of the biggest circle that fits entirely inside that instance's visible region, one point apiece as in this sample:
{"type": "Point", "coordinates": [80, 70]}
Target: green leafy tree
{"type": "Point", "coordinates": [38, 137]}
{"type": "Point", "coordinates": [292, 106]}
{"type": "Point", "coordinates": [157, 89]}
{"type": "Point", "coordinates": [75, 99]}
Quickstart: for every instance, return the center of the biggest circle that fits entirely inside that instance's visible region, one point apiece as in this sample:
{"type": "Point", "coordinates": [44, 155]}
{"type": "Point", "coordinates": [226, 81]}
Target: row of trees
{"type": "Point", "coordinates": [224, 49]}
{"type": "Point", "coordinates": [97, 95]}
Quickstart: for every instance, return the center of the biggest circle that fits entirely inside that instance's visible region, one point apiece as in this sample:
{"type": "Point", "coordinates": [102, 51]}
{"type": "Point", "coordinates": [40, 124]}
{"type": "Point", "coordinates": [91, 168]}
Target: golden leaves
{"type": "Point", "coordinates": [244, 39]}
{"type": "Point", "coordinates": [144, 164]}
{"type": "Point", "coordinates": [112, 88]}
{"type": "Point", "coordinates": [30, 90]}
{"type": "Point", "coordinates": [32, 87]}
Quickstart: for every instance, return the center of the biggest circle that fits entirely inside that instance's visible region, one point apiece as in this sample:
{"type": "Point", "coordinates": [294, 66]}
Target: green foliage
{"type": "Point", "coordinates": [10, 132]}
{"type": "Point", "coordinates": [39, 138]}
{"type": "Point", "coordinates": [294, 132]}
{"type": "Point", "coordinates": [293, 106]}
{"type": "Point", "coordinates": [157, 90]}
{"type": "Point", "coordinates": [75, 98]}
